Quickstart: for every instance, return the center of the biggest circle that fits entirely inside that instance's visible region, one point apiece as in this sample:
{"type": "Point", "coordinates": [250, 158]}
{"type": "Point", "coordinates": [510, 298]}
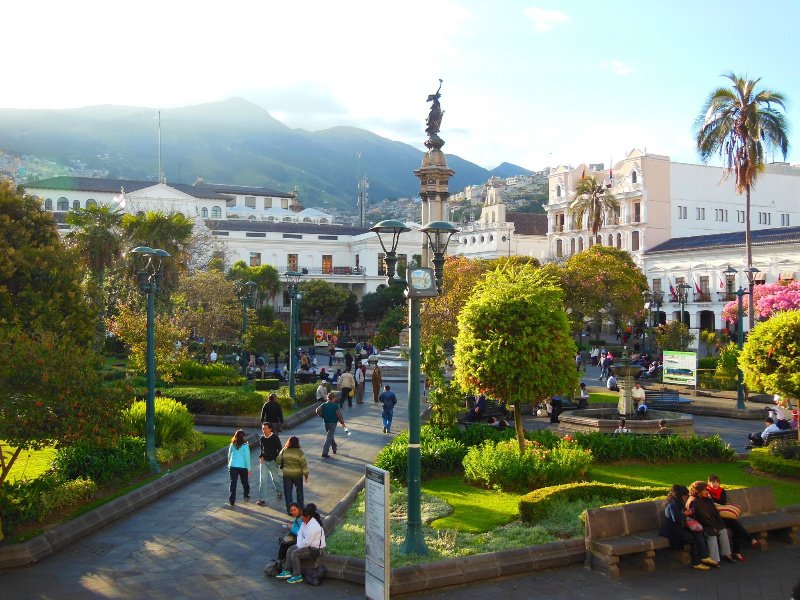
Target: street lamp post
{"type": "Point", "coordinates": [647, 296]}
{"type": "Point", "coordinates": [739, 343]}
{"type": "Point", "coordinates": [683, 296]}
{"type": "Point", "coordinates": [246, 296]}
{"type": "Point", "coordinates": [658, 298]}
{"type": "Point", "coordinates": [751, 312]}
{"type": "Point", "coordinates": [150, 279]}
{"type": "Point", "coordinates": [293, 280]}
{"type": "Point", "coordinates": [384, 229]}
{"type": "Point", "coordinates": [438, 234]}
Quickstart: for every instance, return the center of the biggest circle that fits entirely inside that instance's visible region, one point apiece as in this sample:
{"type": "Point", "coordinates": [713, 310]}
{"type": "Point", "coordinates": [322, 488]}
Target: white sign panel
{"type": "Point", "coordinates": [376, 525]}
{"type": "Point", "coordinates": [680, 367]}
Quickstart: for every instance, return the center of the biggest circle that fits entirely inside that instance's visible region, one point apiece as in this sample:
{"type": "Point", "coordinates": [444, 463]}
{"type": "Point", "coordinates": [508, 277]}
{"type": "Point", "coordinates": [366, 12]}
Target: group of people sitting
{"type": "Point", "coordinates": [701, 517]}
{"type": "Point", "coordinates": [780, 417]}
{"type": "Point", "coordinates": [304, 539]}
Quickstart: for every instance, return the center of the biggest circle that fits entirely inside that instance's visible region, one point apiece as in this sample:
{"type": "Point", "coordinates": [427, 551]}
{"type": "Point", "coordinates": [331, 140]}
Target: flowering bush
{"type": "Point", "coordinates": [501, 465]}
{"type": "Point", "coordinates": [769, 299]}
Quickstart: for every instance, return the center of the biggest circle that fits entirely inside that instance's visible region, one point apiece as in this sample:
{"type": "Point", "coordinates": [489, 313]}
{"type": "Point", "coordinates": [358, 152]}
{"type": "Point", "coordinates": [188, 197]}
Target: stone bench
{"type": "Point", "coordinates": [632, 529]}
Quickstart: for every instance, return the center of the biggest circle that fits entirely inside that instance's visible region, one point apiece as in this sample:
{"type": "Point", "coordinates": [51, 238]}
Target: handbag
{"type": "Point", "coordinates": [693, 524]}
{"type": "Point", "coordinates": [351, 393]}
{"type": "Point", "coordinates": [729, 511]}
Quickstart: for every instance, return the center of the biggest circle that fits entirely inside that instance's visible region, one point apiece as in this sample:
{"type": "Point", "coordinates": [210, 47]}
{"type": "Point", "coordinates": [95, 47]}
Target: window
{"type": "Point", "coordinates": [381, 263]}
{"type": "Point", "coordinates": [204, 212]}
{"type": "Point", "coordinates": [327, 237]}
{"type": "Point", "coordinates": [572, 246]}
{"type": "Point", "coordinates": [483, 239]}
{"type": "Point", "coordinates": [216, 212]}
{"type": "Point", "coordinates": [76, 204]}
{"type": "Point", "coordinates": [62, 204]}
{"type": "Point", "coordinates": [292, 236]}
{"type": "Point", "coordinates": [611, 240]}
{"type": "Point", "coordinates": [285, 203]}
{"type": "Point", "coordinates": [291, 262]}
{"type": "Point", "coordinates": [48, 204]}
{"type": "Point", "coordinates": [600, 239]}
{"type": "Point", "coordinates": [656, 285]}
{"type": "Point", "coordinates": [255, 259]}
{"type": "Point", "coordinates": [637, 212]}
{"type": "Point", "coordinates": [559, 249]}
{"type": "Point", "coordinates": [357, 261]}
{"type": "Point", "coordinates": [251, 218]}
{"type": "Point", "coordinates": [682, 210]}
{"type": "Point", "coordinates": [250, 201]}
{"type": "Point", "coordinates": [287, 301]}
{"type": "Point", "coordinates": [91, 202]}
{"type": "Point", "coordinates": [730, 283]}
{"type": "Point", "coordinates": [784, 219]}
{"type": "Point", "coordinates": [740, 216]}
{"type": "Point", "coordinates": [580, 244]}
{"type": "Point", "coordinates": [558, 192]}
{"type": "Point", "coordinates": [634, 177]}
{"type": "Point", "coordinates": [634, 241]}
{"type": "Point", "coordinates": [327, 264]}
{"type": "Point", "coordinates": [255, 234]}
{"type": "Point", "coordinates": [764, 218]}
{"type": "Point", "coordinates": [701, 214]}
{"type": "Point", "coordinates": [720, 214]}
{"type": "Point", "coordinates": [619, 240]}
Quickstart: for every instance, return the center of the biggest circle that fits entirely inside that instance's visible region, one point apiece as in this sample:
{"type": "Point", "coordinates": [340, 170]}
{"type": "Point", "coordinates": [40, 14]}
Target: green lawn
{"type": "Point", "coordinates": [474, 510]}
{"type": "Point", "coordinates": [731, 474]}
{"type": "Point", "coordinates": [598, 397]}
{"type": "Point", "coordinates": [29, 464]}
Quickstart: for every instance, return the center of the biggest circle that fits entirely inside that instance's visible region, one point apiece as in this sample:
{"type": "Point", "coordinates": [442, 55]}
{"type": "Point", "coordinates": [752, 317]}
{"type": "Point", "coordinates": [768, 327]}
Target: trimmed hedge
{"type": "Point", "coordinates": [653, 448]}
{"type": "Point", "coordinates": [761, 459]}
{"type": "Point", "coordinates": [204, 401]}
{"type": "Point", "coordinates": [536, 505]}
{"type": "Point", "coordinates": [438, 455]}
{"type": "Point", "coordinates": [267, 385]}
{"type": "Point", "coordinates": [101, 464]}
{"type": "Point", "coordinates": [193, 373]}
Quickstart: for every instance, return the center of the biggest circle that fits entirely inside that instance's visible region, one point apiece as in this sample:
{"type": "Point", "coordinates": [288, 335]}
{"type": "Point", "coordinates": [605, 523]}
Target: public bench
{"type": "Point", "coordinates": [493, 409]}
{"type": "Point", "coordinates": [663, 399]}
{"type": "Point", "coordinates": [788, 434]}
{"type": "Point", "coordinates": [631, 530]}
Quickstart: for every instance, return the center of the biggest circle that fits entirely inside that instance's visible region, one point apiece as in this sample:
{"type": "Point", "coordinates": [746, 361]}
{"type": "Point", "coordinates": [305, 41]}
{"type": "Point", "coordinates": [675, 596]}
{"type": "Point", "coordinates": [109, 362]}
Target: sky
{"type": "Point", "coordinates": [533, 83]}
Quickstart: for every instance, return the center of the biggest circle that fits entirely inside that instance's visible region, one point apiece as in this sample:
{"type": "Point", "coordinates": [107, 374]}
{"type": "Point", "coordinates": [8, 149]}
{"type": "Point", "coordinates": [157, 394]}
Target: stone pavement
{"type": "Point", "coordinates": [190, 544]}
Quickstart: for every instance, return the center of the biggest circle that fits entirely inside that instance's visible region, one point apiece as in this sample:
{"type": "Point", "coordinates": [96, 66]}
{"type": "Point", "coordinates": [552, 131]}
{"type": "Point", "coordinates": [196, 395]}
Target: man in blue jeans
{"type": "Point", "coordinates": [388, 400]}
{"type": "Point", "coordinates": [331, 414]}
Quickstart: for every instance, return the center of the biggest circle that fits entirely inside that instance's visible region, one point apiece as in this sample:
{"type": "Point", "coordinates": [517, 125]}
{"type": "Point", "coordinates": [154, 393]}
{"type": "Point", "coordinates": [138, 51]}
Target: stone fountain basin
{"type": "Point", "coordinates": [606, 420]}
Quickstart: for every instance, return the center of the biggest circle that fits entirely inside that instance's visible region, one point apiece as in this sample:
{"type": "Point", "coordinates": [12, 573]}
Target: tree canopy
{"type": "Point", "coordinates": [593, 199]}
{"type": "Point", "coordinates": [206, 302]}
{"type": "Point", "coordinates": [514, 340]}
{"type": "Point", "coordinates": [267, 339]}
{"type": "Point", "coordinates": [770, 358]}
{"type": "Point", "coordinates": [321, 302]}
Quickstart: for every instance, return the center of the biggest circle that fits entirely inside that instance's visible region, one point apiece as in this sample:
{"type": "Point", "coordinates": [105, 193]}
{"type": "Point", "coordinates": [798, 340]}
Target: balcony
{"type": "Point", "coordinates": [726, 296]}
{"type": "Point", "coordinates": [333, 271]}
{"type": "Point", "coordinates": [703, 296]}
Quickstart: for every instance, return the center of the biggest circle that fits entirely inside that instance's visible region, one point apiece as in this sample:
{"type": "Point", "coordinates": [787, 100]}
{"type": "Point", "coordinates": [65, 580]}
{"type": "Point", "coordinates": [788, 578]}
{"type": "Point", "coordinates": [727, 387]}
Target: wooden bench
{"type": "Point", "coordinates": [788, 434]}
{"type": "Point", "coordinates": [493, 409]}
{"type": "Point", "coordinates": [663, 399]}
{"type": "Point", "coordinates": [632, 529]}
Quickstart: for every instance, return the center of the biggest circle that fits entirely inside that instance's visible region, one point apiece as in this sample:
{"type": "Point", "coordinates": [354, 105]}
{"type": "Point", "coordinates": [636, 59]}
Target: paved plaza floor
{"type": "Point", "coordinates": [191, 544]}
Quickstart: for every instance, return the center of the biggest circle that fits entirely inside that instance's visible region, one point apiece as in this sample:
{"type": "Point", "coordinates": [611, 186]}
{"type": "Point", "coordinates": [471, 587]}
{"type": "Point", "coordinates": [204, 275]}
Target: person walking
{"type": "Point", "coordinates": [270, 445]}
{"type": "Point", "coordinates": [361, 380]}
{"type": "Point", "coordinates": [238, 465]}
{"type": "Point", "coordinates": [331, 414]}
{"type": "Point", "coordinates": [346, 385]}
{"type": "Point", "coordinates": [348, 361]}
{"type": "Point", "coordinates": [376, 383]}
{"type": "Point", "coordinates": [292, 460]}
{"type": "Point", "coordinates": [388, 400]}
{"type": "Point", "coordinates": [272, 412]}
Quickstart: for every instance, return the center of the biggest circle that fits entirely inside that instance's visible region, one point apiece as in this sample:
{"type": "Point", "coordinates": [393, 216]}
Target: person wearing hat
{"type": "Point", "coordinates": [322, 391]}
{"type": "Point", "coordinates": [795, 416]}
{"type": "Point", "coordinates": [780, 413]}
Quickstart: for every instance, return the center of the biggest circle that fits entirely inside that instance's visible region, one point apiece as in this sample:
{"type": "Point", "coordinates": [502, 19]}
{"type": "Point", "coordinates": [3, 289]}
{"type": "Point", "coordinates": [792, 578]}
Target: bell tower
{"type": "Point", "coordinates": [434, 174]}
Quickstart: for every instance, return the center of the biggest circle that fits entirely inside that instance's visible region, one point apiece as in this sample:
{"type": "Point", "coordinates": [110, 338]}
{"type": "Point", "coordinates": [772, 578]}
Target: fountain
{"type": "Point", "coordinates": [606, 419]}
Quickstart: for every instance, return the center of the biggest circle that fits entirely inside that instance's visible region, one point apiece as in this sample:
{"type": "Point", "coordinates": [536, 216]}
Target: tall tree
{"type": "Point", "coordinates": [321, 302]}
{"type": "Point", "coordinates": [97, 235]}
{"type": "Point", "coordinates": [266, 278]}
{"type": "Point", "coordinates": [514, 341]}
{"type": "Point", "coordinates": [206, 302]}
{"type": "Point", "coordinates": [740, 123]}
{"type": "Point", "coordinates": [591, 198]}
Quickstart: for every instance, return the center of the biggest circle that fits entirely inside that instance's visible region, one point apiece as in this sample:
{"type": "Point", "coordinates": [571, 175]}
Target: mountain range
{"type": "Point", "coordinates": [234, 142]}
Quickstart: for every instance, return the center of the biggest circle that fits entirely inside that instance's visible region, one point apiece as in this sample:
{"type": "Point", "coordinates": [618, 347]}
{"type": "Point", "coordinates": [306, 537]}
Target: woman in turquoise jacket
{"type": "Point", "coordinates": [239, 464]}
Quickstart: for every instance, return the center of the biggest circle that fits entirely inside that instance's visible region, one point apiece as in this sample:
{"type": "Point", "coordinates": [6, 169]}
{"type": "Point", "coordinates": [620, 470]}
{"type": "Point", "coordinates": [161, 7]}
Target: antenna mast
{"type": "Point", "coordinates": [361, 198]}
{"type": "Point", "coordinates": [160, 170]}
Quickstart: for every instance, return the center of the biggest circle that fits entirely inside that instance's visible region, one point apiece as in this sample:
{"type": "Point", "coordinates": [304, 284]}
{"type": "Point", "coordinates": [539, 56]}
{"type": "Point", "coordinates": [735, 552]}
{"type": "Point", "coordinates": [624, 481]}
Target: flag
{"type": "Point", "coordinates": [697, 287]}
{"type": "Point", "coordinates": [721, 284]}
{"type": "Point", "coordinates": [611, 173]}
{"type": "Point", "coordinates": [672, 291]}
{"type": "Point", "coordinates": [583, 175]}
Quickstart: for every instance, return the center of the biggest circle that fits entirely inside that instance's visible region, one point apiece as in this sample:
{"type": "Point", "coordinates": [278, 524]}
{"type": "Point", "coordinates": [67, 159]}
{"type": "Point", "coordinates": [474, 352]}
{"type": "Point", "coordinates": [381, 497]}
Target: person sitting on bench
{"type": "Point", "coordinates": [758, 439]}
{"type": "Point", "coordinates": [476, 412]}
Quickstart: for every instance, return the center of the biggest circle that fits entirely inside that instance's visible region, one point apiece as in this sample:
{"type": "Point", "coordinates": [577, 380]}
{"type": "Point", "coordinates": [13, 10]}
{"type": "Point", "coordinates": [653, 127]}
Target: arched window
{"type": "Point", "coordinates": [91, 202]}
{"type": "Point", "coordinates": [482, 239]}
{"type": "Point", "coordinates": [216, 212]}
{"type": "Point", "coordinates": [491, 238]}
{"type": "Point", "coordinates": [472, 240]}
{"type": "Point", "coordinates": [572, 246]}
{"type": "Point", "coordinates": [251, 218]}
{"type": "Point", "coordinates": [494, 216]}
{"type": "Point", "coordinates": [48, 204]}
{"type": "Point", "coordinates": [287, 219]}
{"type": "Point", "coordinates": [619, 240]}
{"type": "Point", "coordinates": [306, 219]}
{"type": "Point", "coordinates": [76, 204]}
{"type": "Point", "coordinates": [62, 204]}
{"type": "Point", "coordinates": [580, 244]}
{"type": "Point", "coordinates": [634, 241]}
{"type": "Point", "coordinates": [323, 221]}
{"type": "Point", "coordinates": [600, 239]}
{"type": "Point", "coordinates": [634, 177]}
{"type": "Point", "coordinates": [611, 240]}
{"type": "Point", "coordinates": [559, 249]}
{"type": "Point", "coordinates": [204, 212]}
{"type": "Point", "coordinates": [558, 191]}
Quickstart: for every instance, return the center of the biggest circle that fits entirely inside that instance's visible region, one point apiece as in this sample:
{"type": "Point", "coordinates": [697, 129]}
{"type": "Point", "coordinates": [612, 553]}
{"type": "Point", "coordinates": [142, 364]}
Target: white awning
{"type": "Point", "coordinates": [786, 276]}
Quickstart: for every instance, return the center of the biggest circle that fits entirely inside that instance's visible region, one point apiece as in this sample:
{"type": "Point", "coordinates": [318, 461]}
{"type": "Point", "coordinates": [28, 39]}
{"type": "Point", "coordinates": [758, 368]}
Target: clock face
{"type": "Point", "coordinates": [421, 279]}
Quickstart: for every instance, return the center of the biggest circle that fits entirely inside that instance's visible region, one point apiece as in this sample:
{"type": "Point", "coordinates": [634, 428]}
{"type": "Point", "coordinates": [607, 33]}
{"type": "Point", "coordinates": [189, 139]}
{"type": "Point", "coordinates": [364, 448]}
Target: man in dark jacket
{"type": "Point", "coordinates": [270, 448]}
{"type": "Point", "coordinates": [331, 414]}
{"type": "Point", "coordinates": [271, 412]}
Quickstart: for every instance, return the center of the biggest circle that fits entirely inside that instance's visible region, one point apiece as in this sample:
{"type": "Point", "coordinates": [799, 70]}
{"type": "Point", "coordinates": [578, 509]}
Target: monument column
{"type": "Point", "coordinates": [434, 174]}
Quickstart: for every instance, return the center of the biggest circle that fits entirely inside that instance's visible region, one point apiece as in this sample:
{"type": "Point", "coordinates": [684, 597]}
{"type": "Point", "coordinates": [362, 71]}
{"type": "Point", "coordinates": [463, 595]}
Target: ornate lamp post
{"type": "Point", "coordinates": [293, 280]}
{"type": "Point", "coordinates": [683, 296]}
{"type": "Point", "coordinates": [150, 279]}
{"type": "Point", "coordinates": [246, 297]}
{"type": "Point", "coordinates": [419, 286]}
{"type": "Point", "coordinates": [739, 343]}
{"type": "Point", "coordinates": [385, 229]}
{"type": "Point", "coordinates": [647, 297]}
{"type": "Point", "coordinates": [751, 312]}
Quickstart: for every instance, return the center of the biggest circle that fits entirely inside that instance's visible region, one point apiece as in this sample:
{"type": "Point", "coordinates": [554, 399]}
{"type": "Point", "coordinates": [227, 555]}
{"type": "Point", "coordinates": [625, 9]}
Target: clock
{"type": "Point", "coordinates": [421, 283]}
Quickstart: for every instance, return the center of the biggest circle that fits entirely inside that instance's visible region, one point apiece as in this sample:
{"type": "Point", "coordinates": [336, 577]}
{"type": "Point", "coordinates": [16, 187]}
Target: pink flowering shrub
{"type": "Point", "coordinates": [769, 299]}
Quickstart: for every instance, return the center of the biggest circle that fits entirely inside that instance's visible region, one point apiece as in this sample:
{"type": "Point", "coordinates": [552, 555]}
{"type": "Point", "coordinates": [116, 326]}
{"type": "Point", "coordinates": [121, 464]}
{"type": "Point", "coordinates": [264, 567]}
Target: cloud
{"type": "Point", "coordinates": [617, 67]}
{"type": "Point", "coordinates": [546, 20]}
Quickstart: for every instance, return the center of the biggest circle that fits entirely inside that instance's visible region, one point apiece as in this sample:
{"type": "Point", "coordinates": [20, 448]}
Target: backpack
{"type": "Point", "coordinates": [273, 568]}
{"type": "Point", "coordinates": [314, 575]}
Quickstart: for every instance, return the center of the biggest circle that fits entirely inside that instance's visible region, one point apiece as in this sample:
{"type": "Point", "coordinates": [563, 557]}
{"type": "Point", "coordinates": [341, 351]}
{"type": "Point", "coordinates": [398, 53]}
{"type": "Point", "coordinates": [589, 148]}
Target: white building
{"type": "Point", "coordinates": [660, 200]}
{"type": "Point", "coordinates": [700, 261]}
{"type": "Point", "coordinates": [500, 232]}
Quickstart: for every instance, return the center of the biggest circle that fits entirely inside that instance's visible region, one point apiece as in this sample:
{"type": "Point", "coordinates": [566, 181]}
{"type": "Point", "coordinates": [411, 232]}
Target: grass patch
{"type": "Point", "coordinates": [786, 492]}
{"type": "Point", "coordinates": [29, 464]}
{"type": "Point", "coordinates": [601, 397]}
{"type": "Point", "coordinates": [474, 510]}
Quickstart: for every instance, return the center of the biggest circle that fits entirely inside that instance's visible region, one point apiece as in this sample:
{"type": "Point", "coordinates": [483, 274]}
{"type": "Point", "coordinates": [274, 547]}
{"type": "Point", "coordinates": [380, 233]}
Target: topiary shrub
{"type": "Point", "coordinates": [502, 466]}
{"type": "Point", "coordinates": [536, 505]}
{"type": "Point", "coordinates": [783, 460]}
{"type": "Point", "coordinates": [173, 420]}
{"type": "Point", "coordinates": [770, 358]}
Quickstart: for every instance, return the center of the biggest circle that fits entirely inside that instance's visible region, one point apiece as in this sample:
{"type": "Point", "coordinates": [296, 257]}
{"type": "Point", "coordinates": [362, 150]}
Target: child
{"type": "Point", "coordinates": [739, 533]}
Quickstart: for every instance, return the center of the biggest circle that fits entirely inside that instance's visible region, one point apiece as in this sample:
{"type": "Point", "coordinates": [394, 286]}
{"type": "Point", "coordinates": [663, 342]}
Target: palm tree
{"type": "Point", "coordinates": [592, 198]}
{"type": "Point", "coordinates": [97, 235]}
{"type": "Point", "coordinates": [740, 123]}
